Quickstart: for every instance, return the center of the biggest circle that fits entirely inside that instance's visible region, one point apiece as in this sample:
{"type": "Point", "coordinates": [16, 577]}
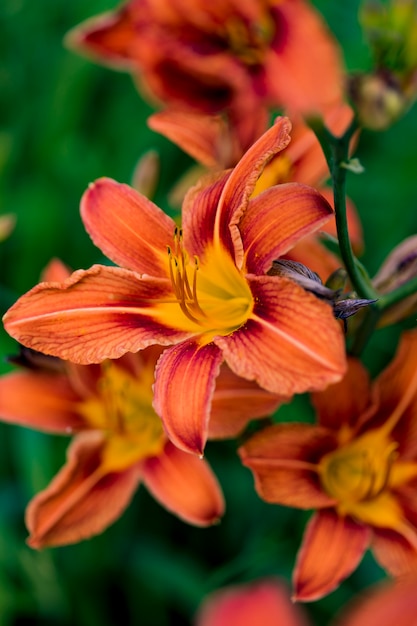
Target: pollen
{"type": "Point", "coordinates": [184, 279]}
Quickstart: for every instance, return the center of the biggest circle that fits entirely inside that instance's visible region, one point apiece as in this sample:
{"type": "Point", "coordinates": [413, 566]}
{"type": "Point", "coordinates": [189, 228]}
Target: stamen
{"type": "Point", "coordinates": [216, 298]}
{"type": "Point", "coordinates": [185, 293]}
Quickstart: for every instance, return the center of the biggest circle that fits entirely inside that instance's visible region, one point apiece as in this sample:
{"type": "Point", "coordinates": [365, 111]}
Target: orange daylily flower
{"type": "Point", "coordinates": [267, 602]}
{"type": "Point", "coordinates": [357, 466]}
{"type": "Point", "coordinates": [119, 443]}
{"type": "Point", "coordinates": [240, 58]}
{"type": "Point", "coordinates": [203, 290]}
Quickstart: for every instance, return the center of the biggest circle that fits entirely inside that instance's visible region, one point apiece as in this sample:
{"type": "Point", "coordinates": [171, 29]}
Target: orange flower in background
{"type": "Point", "coordinates": [267, 602]}
{"type": "Point", "coordinates": [204, 290]}
{"type": "Point", "coordinates": [357, 466]}
{"type": "Point", "coordinates": [240, 58]}
{"type": "Point", "coordinates": [119, 443]}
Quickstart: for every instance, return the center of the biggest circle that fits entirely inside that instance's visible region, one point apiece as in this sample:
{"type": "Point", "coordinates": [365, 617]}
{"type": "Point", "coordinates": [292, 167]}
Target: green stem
{"type": "Point", "coordinates": [336, 151]}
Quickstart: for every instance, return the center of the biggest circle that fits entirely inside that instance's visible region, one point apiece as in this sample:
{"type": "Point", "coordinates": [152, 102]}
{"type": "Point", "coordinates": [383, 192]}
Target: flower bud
{"type": "Point", "coordinates": [377, 99]}
{"type": "Point", "coordinates": [399, 267]}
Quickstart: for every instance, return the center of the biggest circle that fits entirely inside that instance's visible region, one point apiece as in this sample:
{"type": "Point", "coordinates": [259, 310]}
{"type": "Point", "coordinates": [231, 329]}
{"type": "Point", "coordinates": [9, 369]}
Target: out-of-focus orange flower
{"type": "Point", "coordinates": [119, 443]}
{"type": "Point", "coordinates": [267, 602]}
{"type": "Point", "coordinates": [383, 605]}
{"type": "Point", "coordinates": [358, 467]}
{"type": "Point", "coordinates": [241, 58]}
{"type": "Point", "coordinates": [204, 291]}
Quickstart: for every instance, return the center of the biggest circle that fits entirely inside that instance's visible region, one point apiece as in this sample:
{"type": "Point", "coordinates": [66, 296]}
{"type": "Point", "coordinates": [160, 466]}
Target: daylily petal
{"type": "Point", "coordinates": [265, 602]}
{"type": "Point", "coordinates": [42, 401]}
{"type": "Point", "coordinates": [199, 213]}
{"type": "Point", "coordinates": [283, 460]}
{"type": "Point", "coordinates": [82, 500]}
{"type": "Point", "coordinates": [107, 36]}
{"type": "Point", "coordinates": [236, 401]}
{"type": "Point", "coordinates": [398, 267]}
{"type": "Point", "coordinates": [127, 227]}
{"type": "Point", "coordinates": [242, 181]}
{"type": "Point", "coordinates": [277, 219]}
{"type": "Point", "coordinates": [185, 485]}
{"type": "Point", "coordinates": [96, 314]}
{"type": "Point", "coordinates": [343, 403]}
{"type": "Point", "coordinates": [385, 605]}
{"type": "Point", "coordinates": [332, 548]}
{"type": "Point", "coordinates": [204, 137]}
{"type": "Point", "coordinates": [290, 344]}
{"type": "Point", "coordinates": [184, 384]}
{"type": "Point", "coordinates": [181, 77]}
{"type": "Point", "coordinates": [300, 74]}
{"type": "Point", "coordinates": [56, 271]}
{"type": "Point", "coordinates": [394, 552]}
{"type": "Point", "coordinates": [397, 393]}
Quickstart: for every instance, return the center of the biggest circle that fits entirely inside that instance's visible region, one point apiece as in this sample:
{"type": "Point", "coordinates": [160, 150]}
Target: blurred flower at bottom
{"type": "Point", "coordinates": [267, 602]}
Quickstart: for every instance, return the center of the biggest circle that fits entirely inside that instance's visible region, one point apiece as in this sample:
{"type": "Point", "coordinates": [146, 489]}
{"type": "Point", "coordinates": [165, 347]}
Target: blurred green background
{"type": "Point", "coordinates": [64, 122]}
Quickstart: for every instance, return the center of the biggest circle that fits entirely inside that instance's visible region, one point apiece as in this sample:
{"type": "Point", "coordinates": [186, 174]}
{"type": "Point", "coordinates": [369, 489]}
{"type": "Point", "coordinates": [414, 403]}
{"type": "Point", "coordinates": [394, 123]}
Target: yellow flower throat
{"type": "Point", "coordinates": [122, 410]}
{"type": "Point", "coordinates": [362, 474]}
{"type": "Point", "coordinates": [214, 297]}
{"type": "Point", "coordinates": [358, 473]}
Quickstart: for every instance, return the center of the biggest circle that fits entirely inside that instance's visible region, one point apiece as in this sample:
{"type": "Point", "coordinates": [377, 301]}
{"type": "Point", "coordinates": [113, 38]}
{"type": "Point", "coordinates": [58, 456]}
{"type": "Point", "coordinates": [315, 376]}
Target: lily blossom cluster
{"type": "Point", "coordinates": [119, 440]}
{"type": "Point", "coordinates": [202, 324]}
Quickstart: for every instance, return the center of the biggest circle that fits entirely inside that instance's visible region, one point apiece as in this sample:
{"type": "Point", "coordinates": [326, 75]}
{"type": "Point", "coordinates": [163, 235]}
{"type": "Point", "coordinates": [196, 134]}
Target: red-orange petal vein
{"type": "Point", "coordinates": [184, 385]}
{"type": "Point", "coordinates": [185, 485]}
{"type": "Point", "coordinates": [99, 313]}
{"type": "Point", "coordinates": [127, 227]}
{"type": "Point", "coordinates": [291, 341]}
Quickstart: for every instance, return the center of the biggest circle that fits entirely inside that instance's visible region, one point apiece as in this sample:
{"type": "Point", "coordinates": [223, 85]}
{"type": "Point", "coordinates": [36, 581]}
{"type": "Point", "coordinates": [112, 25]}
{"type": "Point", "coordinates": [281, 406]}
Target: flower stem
{"type": "Point", "coordinates": [336, 151]}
